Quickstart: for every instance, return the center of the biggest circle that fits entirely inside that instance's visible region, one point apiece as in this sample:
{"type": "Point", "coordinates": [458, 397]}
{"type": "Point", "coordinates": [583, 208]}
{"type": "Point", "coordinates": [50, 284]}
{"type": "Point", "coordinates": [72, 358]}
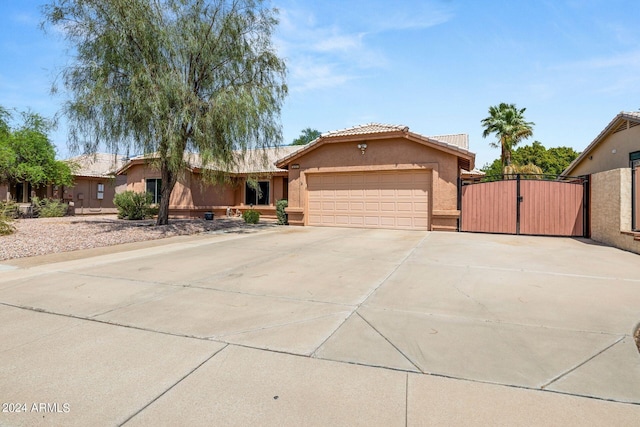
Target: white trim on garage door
{"type": "Point", "coordinates": [397, 199]}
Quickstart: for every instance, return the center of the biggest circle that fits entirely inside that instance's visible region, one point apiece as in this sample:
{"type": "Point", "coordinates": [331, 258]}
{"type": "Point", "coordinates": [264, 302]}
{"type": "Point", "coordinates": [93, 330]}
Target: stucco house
{"type": "Point", "coordinates": [377, 176]}
{"type": "Point", "coordinates": [194, 194]}
{"type": "Point", "coordinates": [612, 161]}
{"type": "Point", "coordinates": [372, 175]}
{"type": "Point", "coordinates": [95, 183]}
{"type": "Point", "coordinates": [94, 186]}
{"type": "Point", "coordinates": [615, 147]}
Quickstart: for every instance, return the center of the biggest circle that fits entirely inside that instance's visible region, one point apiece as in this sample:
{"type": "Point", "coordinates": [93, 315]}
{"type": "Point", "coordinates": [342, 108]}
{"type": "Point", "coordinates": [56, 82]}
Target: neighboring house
{"type": "Point", "coordinates": [613, 148]}
{"type": "Point", "coordinates": [193, 194]}
{"type": "Point", "coordinates": [612, 161]}
{"type": "Point", "coordinates": [95, 183]}
{"type": "Point", "coordinates": [472, 176]}
{"type": "Point", "coordinates": [377, 176]}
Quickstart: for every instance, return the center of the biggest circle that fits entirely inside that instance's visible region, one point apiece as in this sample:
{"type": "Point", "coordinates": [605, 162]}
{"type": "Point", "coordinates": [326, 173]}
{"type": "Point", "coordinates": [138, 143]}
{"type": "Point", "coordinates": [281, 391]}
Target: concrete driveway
{"type": "Point", "coordinates": [323, 326]}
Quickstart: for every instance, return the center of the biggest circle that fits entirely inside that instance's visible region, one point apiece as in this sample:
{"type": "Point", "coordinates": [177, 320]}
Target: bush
{"type": "Point", "coordinates": [251, 216]}
{"type": "Point", "coordinates": [5, 226]}
{"type": "Point", "coordinates": [9, 210]}
{"type": "Point", "coordinates": [48, 208]}
{"type": "Point", "coordinates": [132, 205]}
{"type": "Point", "coordinates": [282, 215]}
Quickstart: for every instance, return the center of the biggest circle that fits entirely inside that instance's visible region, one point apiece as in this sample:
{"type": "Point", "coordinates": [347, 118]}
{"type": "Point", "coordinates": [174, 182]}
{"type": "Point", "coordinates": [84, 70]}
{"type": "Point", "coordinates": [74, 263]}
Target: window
{"type": "Point", "coordinates": [259, 197]}
{"type": "Point", "coordinates": [100, 191]}
{"type": "Point", "coordinates": [154, 186]}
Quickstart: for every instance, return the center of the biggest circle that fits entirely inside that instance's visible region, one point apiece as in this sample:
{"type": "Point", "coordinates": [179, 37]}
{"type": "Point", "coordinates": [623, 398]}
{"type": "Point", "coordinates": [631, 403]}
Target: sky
{"type": "Point", "coordinates": [433, 65]}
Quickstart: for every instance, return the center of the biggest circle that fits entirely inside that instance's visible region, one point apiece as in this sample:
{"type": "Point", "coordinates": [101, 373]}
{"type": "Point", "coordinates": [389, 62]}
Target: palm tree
{"type": "Point", "coordinates": [508, 124]}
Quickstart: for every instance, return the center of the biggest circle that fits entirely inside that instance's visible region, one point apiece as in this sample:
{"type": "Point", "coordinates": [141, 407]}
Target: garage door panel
{"type": "Point", "coordinates": [357, 206]}
{"type": "Point", "coordinates": [387, 207]}
{"type": "Point", "coordinates": [372, 221]}
{"type": "Point", "coordinates": [370, 199]}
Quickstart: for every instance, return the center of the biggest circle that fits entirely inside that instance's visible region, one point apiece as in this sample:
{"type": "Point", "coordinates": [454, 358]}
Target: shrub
{"type": "Point", "coordinates": [251, 216]}
{"type": "Point", "coordinates": [132, 205]}
{"type": "Point", "coordinates": [5, 226]}
{"type": "Point", "coordinates": [9, 210]}
{"type": "Point", "coordinates": [48, 208]}
{"type": "Point", "coordinates": [282, 215]}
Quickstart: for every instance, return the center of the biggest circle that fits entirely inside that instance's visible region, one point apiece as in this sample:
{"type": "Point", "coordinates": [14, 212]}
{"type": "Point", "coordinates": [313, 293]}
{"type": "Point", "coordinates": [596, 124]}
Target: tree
{"type": "Point", "coordinates": [172, 76]}
{"type": "Point", "coordinates": [27, 155]}
{"type": "Point", "coordinates": [551, 161]}
{"type": "Point", "coordinates": [508, 124]}
{"type": "Point", "coordinates": [306, 136]}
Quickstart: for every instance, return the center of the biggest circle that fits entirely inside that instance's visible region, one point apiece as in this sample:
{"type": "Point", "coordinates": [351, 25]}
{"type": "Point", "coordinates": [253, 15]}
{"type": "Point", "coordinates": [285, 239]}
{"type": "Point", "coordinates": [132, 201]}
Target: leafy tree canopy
{"type": "Point", "coordinates": [27, 154]}
{"type": "Point", "coordinates": [172, 76]}
{"type": "Point", "coordinates": [551, 161]}
{"type": "Point", "coordinates": [306, 136]}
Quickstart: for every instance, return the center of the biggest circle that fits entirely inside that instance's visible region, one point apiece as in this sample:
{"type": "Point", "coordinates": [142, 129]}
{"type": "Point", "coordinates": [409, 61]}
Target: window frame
{"type": "Point", "coordinates": [266, 196]}
{"type": "Point", "coordinates": [156, 194]}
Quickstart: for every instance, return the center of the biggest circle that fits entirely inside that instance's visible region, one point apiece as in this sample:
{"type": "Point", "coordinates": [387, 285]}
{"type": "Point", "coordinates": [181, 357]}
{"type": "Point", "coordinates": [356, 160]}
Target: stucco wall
{"type": "Point", "coordinates": [191, 197]}
{"type": "Point", "coordinates": [611, 209]}
{"type": "Point", "coordinates": [84, 195]}
{"type": "Point", "coordinates": [388, 155]}
{"type": "Point", "coordinates": [602, 157]}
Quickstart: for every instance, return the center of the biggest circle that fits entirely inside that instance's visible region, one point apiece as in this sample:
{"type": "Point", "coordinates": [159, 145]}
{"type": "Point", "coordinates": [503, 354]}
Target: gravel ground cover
{"type": "Point", "coordinates": [41, 236]}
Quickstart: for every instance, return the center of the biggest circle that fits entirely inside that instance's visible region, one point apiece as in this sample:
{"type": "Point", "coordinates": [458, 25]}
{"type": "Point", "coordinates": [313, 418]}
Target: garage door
{"type": "Point", "coordinates": [370, 199]}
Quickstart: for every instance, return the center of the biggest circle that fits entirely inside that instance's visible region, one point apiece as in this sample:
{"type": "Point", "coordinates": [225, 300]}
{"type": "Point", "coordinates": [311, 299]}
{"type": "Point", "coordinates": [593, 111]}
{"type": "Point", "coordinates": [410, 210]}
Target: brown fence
{"type": "Point", "coordinates": [525, 206]}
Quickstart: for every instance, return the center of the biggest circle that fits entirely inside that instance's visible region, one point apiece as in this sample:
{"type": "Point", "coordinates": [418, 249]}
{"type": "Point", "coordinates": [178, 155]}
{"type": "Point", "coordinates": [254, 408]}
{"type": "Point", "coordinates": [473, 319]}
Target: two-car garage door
{"type": "Point", "coordinates": [398, 199]}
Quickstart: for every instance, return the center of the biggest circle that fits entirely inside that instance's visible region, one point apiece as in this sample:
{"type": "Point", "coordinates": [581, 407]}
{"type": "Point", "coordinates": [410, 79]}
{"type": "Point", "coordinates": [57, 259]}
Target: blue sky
{"type": "Point", "coordinates": [435, 66]}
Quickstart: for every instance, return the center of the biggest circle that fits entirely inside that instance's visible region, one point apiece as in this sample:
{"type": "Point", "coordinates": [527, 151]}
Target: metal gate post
{"type": "Point", "coordinates": [518, 201]}
{"type": "Point", "coordinates": [586, 217]}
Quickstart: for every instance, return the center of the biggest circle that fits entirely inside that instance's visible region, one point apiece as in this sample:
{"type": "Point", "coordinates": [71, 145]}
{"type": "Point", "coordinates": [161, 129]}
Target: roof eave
{"type": "Point", "coordinates": [601, 136]}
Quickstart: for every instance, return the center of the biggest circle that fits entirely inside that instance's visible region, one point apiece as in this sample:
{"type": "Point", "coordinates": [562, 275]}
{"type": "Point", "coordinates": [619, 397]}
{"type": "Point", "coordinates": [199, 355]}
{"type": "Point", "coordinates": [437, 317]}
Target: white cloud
{"type": "Point", "coordinates": [340, 40]}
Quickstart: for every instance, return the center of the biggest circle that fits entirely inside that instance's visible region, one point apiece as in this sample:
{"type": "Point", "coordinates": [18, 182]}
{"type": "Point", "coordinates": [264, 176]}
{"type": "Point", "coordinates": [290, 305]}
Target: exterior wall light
{"type": "Point", "coordinates": [362, 147]}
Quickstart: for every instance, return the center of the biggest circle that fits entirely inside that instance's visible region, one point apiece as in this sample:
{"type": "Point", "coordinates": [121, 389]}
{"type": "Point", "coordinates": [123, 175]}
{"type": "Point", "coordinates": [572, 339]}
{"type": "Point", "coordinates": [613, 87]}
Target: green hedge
{"type": "Point", "coordinates": [282, 215]}
{"type": "Point", "coordinates": [251, 216]}
{"type": "Point", "coordinates": [132, 205]}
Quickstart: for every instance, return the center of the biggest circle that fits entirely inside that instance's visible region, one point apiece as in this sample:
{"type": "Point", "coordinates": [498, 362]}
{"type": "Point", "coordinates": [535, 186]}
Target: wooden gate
{"type": "Point", "coordinates": [525, 206]}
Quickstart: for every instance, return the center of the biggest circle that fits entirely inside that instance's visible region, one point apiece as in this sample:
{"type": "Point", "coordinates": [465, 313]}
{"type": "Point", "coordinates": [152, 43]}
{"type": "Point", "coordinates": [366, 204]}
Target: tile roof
{"type": "Point", "coordinates": [369, 128]}
{"type": "Point", "coordinates": [97, 165]}
{"type": "Point", "coordinates": [623, 115]}
{"type": "Point", "coordinates": [459, 140]}
{"type": "Point", "coordinates": [456, 142]}
{"type": "Point", "coordinates": [253, 161]}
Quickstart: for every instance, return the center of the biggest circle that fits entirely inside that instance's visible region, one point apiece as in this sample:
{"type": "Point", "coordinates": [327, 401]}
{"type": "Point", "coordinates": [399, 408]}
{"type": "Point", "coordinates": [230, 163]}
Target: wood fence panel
{"type": "Point", "coordinates": [489, 207]}
{"type": "Point", "coordinates": [551, 208]}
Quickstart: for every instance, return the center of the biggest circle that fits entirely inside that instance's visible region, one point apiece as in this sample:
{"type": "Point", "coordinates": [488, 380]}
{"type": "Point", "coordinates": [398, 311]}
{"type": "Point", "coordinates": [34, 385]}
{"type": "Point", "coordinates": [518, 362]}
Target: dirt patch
{"type": "Point", "coordinates": [636, 336]}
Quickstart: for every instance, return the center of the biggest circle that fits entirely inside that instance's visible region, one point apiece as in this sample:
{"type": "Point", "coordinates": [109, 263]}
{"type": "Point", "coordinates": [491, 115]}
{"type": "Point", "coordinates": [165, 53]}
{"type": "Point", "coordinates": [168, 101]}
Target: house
{"type": "Point", "coordinates": [612, 161]}
{"type": "Point", "coordinates": [254, 181]}
{"type": "Point", "coordinates": [93, 189]}
{"type": "Point", "coordinates": [377, 176]}
{"type": "Point", "coordinates": [95, 183]}
{"type": "Point", "coordinates": [615, 147]}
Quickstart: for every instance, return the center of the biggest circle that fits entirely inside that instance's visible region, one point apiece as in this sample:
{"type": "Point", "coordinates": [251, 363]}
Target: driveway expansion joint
{"type": "Point", "coordinates": [172, 386]}
{"type": "Point", "coordinates": [584, 362]}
